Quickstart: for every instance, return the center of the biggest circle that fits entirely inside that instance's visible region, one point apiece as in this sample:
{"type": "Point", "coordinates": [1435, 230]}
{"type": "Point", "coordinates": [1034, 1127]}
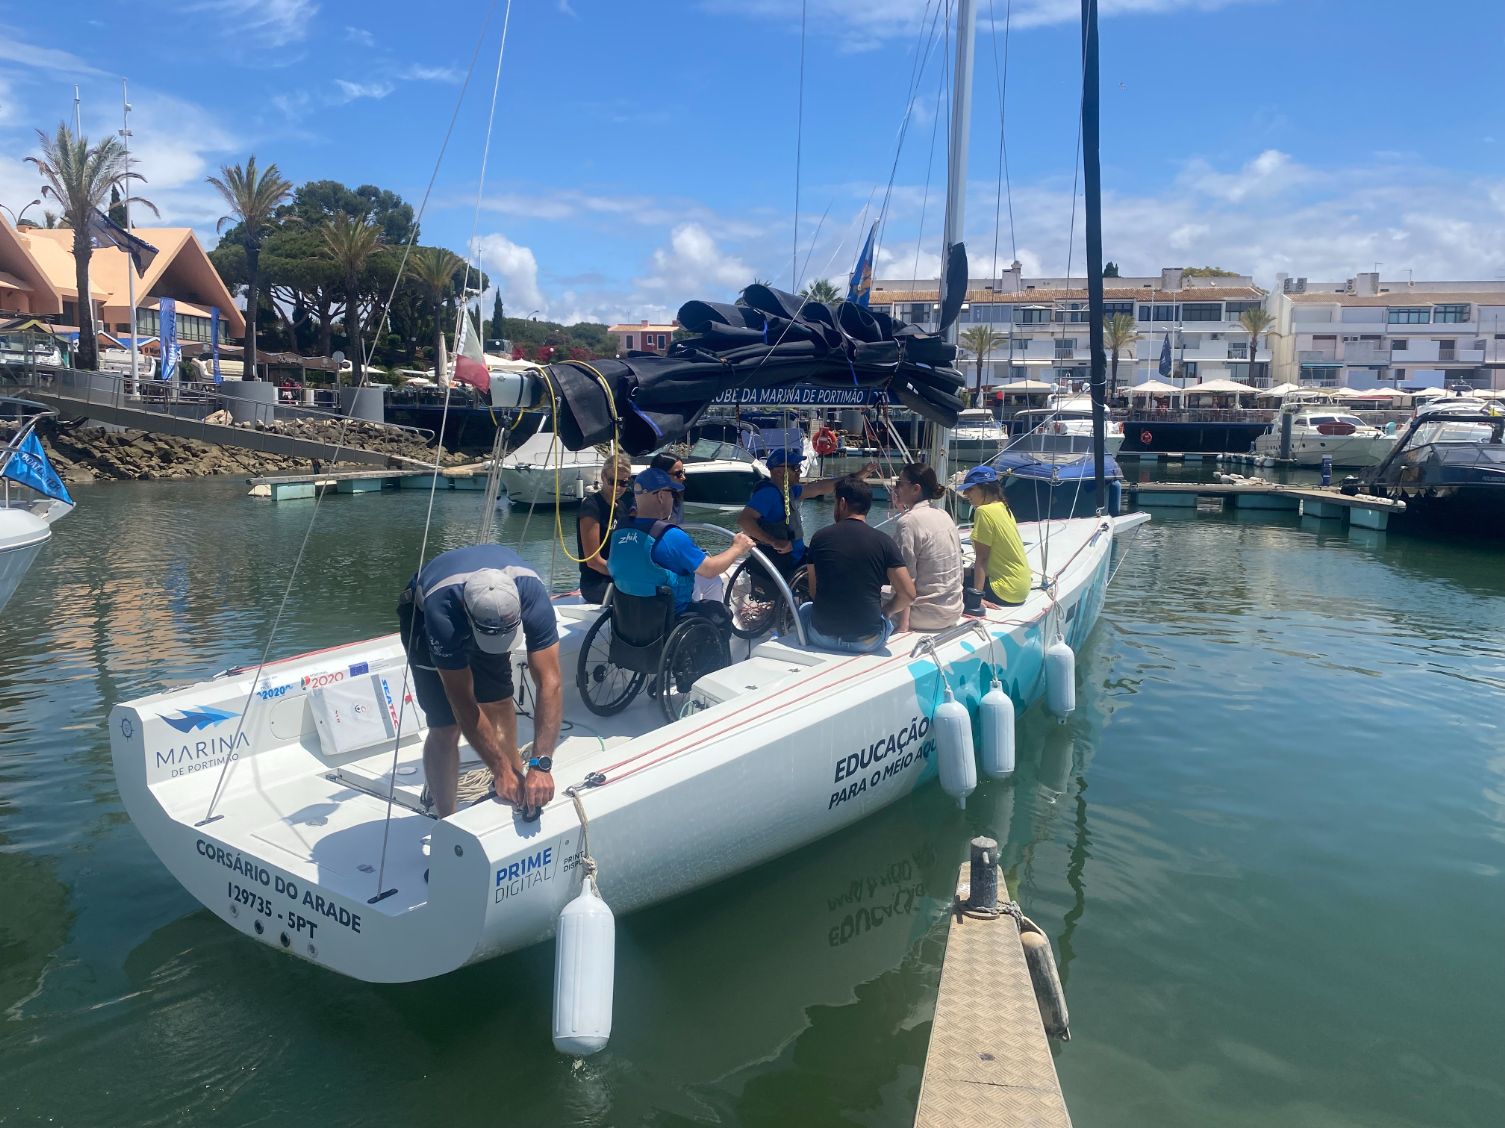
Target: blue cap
{"type": "Point", "coordinates": [978, 475]}
{"type": "Point", "coordinates": [777, 458]}
{"type": "Point", "coordinates": [653, 479]}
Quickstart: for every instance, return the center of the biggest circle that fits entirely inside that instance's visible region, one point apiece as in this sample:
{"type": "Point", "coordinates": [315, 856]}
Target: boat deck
{"type": "Point", "coordinates": [989, 1060]}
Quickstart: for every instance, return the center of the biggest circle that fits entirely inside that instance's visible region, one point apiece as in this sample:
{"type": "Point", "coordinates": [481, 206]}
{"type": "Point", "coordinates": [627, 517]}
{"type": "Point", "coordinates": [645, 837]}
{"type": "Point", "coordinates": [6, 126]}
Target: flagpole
{"type": "Point", "coordinates": [130, 260]}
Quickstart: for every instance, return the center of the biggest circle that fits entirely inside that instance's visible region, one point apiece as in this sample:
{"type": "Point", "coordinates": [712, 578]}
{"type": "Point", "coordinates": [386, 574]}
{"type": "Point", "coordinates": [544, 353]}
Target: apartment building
{"type": "Point", "coordinates": [1370, 333]}
{"type": "Point", "coordinates": [1044, 324]}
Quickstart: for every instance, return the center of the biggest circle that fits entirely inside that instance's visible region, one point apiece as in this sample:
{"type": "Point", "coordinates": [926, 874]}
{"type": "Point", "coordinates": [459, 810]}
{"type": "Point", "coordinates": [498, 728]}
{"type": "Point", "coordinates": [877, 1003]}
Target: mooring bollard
{"type": "Point", "coordinates": [1327, 469]}
{"type": "Point", "coordinates": [983, 881]}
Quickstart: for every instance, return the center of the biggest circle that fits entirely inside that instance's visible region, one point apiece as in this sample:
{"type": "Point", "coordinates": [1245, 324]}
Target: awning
{"type": "Point", "coordinates": [1155, 388]}
{"type": "Point", "coordinates": [1220, 387]}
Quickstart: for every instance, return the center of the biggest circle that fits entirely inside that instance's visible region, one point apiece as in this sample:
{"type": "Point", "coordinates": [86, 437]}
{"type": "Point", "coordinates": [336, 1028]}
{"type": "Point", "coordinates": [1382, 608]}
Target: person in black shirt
{"type": "Point", "coordinates": [593, 526]}
{"type": "Point", "coordinates": [849, 563]}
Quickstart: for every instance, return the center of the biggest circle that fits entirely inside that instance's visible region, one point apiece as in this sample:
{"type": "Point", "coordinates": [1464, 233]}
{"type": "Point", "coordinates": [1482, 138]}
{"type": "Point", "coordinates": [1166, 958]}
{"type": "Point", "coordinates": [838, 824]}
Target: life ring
{"type": "Point", "coordinates": [826, 442]}
{"type": "Point", "coordinates": [1146, 438]}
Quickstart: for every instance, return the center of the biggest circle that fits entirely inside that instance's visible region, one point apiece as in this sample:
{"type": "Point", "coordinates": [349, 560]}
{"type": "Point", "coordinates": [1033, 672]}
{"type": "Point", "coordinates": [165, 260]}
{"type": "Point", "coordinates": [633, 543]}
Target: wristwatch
{"type": "Point", "coordinates": [542, 763]}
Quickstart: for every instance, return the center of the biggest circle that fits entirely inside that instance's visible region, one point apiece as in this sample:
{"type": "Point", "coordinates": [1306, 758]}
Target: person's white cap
{"type": "Point", "coordinates": [495, 610]}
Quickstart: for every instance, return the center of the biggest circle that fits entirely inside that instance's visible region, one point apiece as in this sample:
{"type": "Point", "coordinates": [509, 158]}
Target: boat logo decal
{"type": "Point", "coordinates": [319, 681]}
{"type": "Point", "coordinates": [126, 728]}
{"type": "Point", "coordinates": [202, 717]}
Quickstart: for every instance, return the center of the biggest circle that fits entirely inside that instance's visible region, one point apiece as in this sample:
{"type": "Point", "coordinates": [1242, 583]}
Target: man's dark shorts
{"type": "Point", "coordinates": [492, 673]}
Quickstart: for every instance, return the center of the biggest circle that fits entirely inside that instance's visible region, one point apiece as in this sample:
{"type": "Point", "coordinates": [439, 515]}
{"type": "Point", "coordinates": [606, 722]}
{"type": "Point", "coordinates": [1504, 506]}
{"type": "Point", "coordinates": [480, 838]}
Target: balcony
{"type": "Point", "coordinates": [1366, 353]}
{"type": "Point", "coordinates": [1317, 356]}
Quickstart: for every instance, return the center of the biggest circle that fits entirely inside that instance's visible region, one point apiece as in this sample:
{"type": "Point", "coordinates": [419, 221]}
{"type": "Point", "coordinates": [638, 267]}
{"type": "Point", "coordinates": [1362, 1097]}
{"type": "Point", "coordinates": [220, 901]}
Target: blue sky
{"type": "Point", "coordinates": [644, 152]}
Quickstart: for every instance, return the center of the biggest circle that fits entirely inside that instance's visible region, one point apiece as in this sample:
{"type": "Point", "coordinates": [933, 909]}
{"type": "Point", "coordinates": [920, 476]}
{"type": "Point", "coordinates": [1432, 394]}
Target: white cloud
{"type": "Point", "coordinates": [270, 23]}
{"type": "Point", "coordinates": [566, 9]}
{"type": "Point", "coordinates": [351, 91]}
{"type": "Point", "coordinates": [419, 73]}
{"type": "Point", "coordinates": [359, 35]}
{"type": "Point", "coordinates": [1269, 173]}
{"type": "Point", "coordinates": [693, 265]}
{"type": "Point", "coordinates": [517, 268]}
{"type": "Point", "coordinates": [17, 51]}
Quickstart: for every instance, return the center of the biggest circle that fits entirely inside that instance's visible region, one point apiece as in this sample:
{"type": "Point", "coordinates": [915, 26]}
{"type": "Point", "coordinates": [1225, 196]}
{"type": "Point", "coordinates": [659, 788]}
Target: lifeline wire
{"type": "Point", "coordinates": [799, 144]}
{"type": "Point", "coordinates": [219, 784]}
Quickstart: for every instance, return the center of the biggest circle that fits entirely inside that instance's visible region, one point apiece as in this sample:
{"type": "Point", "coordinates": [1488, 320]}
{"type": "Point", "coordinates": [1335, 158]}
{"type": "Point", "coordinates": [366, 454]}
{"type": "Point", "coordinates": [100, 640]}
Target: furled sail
{"type": "Point", "coordinates": [766, 339]}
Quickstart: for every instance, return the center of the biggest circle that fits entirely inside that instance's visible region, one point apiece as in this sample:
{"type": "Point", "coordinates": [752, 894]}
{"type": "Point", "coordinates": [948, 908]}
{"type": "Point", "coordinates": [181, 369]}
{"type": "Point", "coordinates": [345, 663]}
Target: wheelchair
{"type": "Point", "coordinates": [756, 605]}
{"type": "Point", "coordinates": [640, 637]}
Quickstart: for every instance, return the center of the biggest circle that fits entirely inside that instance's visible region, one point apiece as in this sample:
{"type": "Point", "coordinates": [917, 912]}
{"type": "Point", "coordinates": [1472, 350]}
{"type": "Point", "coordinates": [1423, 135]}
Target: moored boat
{"type": "Point", "coordinates": [1449, 469]}
{"type": "Point", "coordinates": [1319, 431]}
{"type": "Point", "coordinates": [32, 496]}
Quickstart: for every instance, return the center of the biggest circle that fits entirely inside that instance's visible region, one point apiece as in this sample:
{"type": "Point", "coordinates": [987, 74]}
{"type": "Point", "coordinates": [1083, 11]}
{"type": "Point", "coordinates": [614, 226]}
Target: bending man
{"type": "Point", "coordinates": [458, 618]}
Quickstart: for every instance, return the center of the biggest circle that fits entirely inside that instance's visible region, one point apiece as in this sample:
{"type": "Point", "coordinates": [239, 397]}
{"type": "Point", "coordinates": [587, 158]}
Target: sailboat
{"type": "Point", "coordinates": [288, 797]}
{"type": "Point", "coordinates": [32, 496]}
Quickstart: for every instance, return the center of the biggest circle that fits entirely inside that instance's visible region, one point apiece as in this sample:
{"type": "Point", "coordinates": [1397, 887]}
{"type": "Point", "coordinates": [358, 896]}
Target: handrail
{"type": "Point", "coordinates": [966, 627]}
{"type": "Point", "coordinates": [110, 388]}
{"type": "Point", "coordinates": [799, 626]}
{"type": "Point", "coordinates": [28, 424]}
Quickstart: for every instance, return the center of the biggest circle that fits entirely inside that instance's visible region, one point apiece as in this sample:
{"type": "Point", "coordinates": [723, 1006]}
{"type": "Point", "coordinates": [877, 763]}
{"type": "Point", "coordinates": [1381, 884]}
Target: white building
{"type": "Point", "coordinates": [1369, 333]}
{"type": "Point", "coordinates": [1045, 324]}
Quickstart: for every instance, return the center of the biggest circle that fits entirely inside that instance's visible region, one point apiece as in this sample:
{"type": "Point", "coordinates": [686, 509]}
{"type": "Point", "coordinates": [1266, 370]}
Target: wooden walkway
{"type": "Point", "coordinates": [293, 487]}
{"type": "Point", "coordinates": [1324, 502]}
{"type": "Point", "coordinates": [989, 1061]}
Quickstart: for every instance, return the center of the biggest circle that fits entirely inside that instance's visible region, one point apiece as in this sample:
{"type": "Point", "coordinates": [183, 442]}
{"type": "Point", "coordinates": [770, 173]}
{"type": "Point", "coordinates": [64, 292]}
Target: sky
{"type": "Point", "coordinates": [647, 153]}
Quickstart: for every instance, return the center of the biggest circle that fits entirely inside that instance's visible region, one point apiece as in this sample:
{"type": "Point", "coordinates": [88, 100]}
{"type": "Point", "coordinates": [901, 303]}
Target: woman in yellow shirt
{"type": "Point", "coordinates": [1001, 571]}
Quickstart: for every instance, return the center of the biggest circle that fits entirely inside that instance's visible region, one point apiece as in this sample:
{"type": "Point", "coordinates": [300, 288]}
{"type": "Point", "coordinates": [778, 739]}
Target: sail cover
{"type": "Point", "coordinates": [766, 339]}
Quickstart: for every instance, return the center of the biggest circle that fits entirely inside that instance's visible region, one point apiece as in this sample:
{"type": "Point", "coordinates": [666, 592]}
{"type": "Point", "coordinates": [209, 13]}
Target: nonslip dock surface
{"type": "Point", "coordinates": [989, 1061]}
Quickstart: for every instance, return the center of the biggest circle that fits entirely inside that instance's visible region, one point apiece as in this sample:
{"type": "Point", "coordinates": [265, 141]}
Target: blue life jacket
{"type": "Point", "coordinates": [633, 570]}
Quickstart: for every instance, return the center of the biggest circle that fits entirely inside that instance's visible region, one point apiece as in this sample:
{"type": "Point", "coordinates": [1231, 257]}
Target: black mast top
{"type": "Point", "coordinates": [1093, 191]}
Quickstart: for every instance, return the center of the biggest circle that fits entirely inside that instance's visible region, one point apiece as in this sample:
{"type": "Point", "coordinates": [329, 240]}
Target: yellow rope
{"type": "Point", "coordinates": [611, 517]}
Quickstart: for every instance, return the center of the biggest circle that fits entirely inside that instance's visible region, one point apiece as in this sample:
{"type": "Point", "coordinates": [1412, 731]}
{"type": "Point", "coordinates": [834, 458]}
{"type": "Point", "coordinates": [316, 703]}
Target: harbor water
{"type": "Point", "coordinates": [1269, 848]}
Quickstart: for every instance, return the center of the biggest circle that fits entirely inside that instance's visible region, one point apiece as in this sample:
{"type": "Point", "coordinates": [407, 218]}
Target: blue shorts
{"type": "Point", "coordinates": [492, 673]}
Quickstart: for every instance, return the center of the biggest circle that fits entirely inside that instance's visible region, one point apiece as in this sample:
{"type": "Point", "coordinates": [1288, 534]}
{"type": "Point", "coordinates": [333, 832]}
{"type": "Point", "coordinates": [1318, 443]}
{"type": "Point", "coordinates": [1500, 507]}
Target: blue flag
{"type": "Point", "coordinates": [30, 466]}
{"type": "Point", "coordinates": [1165, 356]}
{"type": "Point", "coordinates": [861, 286]}
{"type": "Point", "coordinates": [172, 352]}
{"type": "Point", "coordinates": [214, 343]}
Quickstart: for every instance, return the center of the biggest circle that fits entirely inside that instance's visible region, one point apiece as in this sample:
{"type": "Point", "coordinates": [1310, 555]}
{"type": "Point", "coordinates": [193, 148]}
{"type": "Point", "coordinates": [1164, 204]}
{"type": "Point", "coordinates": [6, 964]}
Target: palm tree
{"type": "Point", "coordinates": [351, 242]}
{"type": "Point", "coordinates": [434, 269]}
{"type": "Point", "coordinates": [80, 176]}
{"type": "Point", "coordinates": [252, 199]}
{"type": "Point", "coordinates": [1254, 322]}
{"type": "Point", "coordinates": [980, 341]}
{"type": "Point", "coordinates": [1119, 333]}
{"type": "Point", "coordinates": [821, 290]}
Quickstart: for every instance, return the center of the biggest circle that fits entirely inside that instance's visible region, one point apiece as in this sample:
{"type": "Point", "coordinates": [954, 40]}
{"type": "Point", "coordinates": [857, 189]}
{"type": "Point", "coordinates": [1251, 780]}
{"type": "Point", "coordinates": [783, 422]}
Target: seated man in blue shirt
{"type": "Point", "coordinates": [457, 619]}
{"type": "Point", "coordinates": [649, 551]}
{"type": "Point", "coordinates": [777, 526]}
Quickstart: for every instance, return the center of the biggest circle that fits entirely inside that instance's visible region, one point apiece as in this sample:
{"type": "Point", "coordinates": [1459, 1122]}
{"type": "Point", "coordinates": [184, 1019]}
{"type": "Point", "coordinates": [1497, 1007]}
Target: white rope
{"type": "Point", "coordinates": [292, 576]}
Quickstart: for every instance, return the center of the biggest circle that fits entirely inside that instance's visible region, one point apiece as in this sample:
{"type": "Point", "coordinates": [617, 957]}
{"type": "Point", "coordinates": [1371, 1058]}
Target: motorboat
{"type": "Point", "coordinates": [541, 470]}
{"type": "Point", "coordinates": [1318, 432]}
{"type": "Point", "coordinates": [977, 435]}
{"type": "Point", "coordinates": [1063, 425]}
{"type": "Point", "coordinates": [1048, 472]}
{"type": "Point", "coordinates": [32, 498]}
{"type": "Point", "coordinates": [1449, 469]}
{"type": "Point", "coordinates": [786, 746]}
{"type": "Point", "coordinates": [720, 475]}
{"type": "Point", "coordinates": [1460, 405]}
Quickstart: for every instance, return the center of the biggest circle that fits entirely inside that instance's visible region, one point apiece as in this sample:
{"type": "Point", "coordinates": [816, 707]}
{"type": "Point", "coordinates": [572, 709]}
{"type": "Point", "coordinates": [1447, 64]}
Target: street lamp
{"type": "Point", "coordinates": [16, 219]}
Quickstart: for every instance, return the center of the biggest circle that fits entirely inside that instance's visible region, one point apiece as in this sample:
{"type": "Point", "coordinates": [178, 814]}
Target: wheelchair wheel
{"type": "Point", "coordinates": [605, 688]}
{"type": "Point", "coordinates": [695, 647]}
{"type": "Point", "coordinates": [755, 603]}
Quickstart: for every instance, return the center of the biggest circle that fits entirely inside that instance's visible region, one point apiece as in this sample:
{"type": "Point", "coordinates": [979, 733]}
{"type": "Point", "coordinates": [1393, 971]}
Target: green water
{"type": "Point", "coordinates": [1269, 848]}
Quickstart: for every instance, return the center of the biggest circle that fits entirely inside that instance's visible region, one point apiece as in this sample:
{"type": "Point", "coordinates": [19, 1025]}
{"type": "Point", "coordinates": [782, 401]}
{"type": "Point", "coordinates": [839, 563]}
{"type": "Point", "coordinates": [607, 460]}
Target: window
{"type": "Point", "coordinates": [1450, 314]}
{"type": "Point", "coordinates": [1234, 309]}
{"type": "Point", "coordinates": [1202, 311]}
{"type": "Point", "coordinates": [1110, 309]}
{"type": "Point", "coordinates": [1165, 313]}
{"type": "Point", "coordinates": [1144, 313]}
{"type": "Point", "coordinates": [1400, 344]}
{"type": "Point", "coordinates": [1409, 316]}
{"type": "Point", "coordinates": [1032, 315]}
{"type": "Point", "coordinates": [629, 342]}
{"type": "Point", "coordinates": [1066, 346]}
{"type": "Point", "coordinates": [1189, 369]}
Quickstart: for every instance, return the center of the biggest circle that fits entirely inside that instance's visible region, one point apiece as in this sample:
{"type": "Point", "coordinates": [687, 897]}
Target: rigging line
{"type": "Point", "coordinates": [916, 74]}
{"type": "Point", "coordinates": [1001, 78]}
{"type": "Point", "coordinates": [339, 445]}
{"type": "Point", "coordinates": [428, 518]}
{"type": "Point", "coordinates": [935, 123]}
{"type": "Point", "coordinates": [799, 144]}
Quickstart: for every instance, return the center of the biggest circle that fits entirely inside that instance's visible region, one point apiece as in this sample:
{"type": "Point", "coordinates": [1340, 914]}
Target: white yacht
{"type": "Point", "coordinates": [542, 471]}
{"type": "Point", "coordinates": [29, 501]}
{"type": "Point", "coordinates": [1318, 431]}
{"type": "Point", "coordinates": [977, 436]}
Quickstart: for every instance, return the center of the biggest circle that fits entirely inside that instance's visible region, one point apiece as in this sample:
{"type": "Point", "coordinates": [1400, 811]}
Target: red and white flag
{"type": "Point", "coordinates": [470, 360]}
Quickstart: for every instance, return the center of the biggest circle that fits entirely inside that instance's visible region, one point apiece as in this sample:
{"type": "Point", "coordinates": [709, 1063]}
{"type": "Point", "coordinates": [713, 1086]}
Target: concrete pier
{"type": "Point", "coordinates": [989, 1060]}
{"type": "Point", "coordinates": [295, 487]}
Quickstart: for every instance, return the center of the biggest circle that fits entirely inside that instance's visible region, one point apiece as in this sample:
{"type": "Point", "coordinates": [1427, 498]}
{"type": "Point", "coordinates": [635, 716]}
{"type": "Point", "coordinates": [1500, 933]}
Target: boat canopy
{"type": "Point", "coordinates": [768, 338]}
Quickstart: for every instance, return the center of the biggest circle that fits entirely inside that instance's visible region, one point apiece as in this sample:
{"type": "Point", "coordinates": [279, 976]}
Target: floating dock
{"type": "Point", "coordinates": [293, 487]}
{"type": "Point", "coordinates": [989, 1060]}
{"type": "Point", "coordinates": [1322, 502]}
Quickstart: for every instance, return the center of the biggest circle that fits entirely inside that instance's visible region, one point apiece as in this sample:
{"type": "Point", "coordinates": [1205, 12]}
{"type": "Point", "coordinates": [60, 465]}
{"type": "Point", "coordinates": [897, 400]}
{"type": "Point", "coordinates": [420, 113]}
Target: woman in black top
{"type": "Point", "coordinates": [593, 526]}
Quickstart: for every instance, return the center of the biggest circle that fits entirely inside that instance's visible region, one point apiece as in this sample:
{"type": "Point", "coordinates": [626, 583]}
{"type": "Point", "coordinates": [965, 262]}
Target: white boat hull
{"type": "Point", "coordinates": [542, 485]}
{"type": "Point", "coordinates": [22, 536]}
{"type": "Point", "coordinates": [1348, 451]}
{"type": "Point", "coordinates": [792, 745]}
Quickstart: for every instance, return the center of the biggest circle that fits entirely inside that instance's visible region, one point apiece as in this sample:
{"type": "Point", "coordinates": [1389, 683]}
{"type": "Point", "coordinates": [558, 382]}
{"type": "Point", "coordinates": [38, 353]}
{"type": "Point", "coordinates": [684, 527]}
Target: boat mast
{"type": "Point", "coordinates": [130, 260]}
{"type": "Point", "coordinates": [956, 185]}
{"type": "Point", "coordinates": [1092, 189]}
